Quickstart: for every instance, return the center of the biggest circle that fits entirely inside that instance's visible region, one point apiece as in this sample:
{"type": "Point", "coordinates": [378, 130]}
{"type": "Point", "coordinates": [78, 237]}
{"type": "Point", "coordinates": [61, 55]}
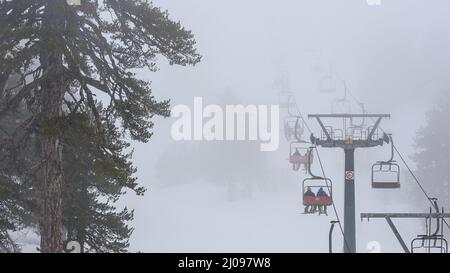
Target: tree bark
{"type": "Point", "coordinates": [52, 178]}
{"type": "Point", "coordinates": [51, 101]}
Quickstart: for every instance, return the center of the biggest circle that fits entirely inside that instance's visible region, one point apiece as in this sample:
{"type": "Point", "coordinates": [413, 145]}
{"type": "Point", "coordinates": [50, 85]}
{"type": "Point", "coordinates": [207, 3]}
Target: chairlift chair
{"type": "Point", "coordinates": [300, 155]}
{"type": "Point", "coordinates": [386, 174]}
{"type": "Point", "coordinates": [314, 184]}
{"type": "Point", "coordinates": [317, 193]}
{"type": "Point", "coordinates": [293, 128]}
{"type": "Point", "coordinates": [431, 242]}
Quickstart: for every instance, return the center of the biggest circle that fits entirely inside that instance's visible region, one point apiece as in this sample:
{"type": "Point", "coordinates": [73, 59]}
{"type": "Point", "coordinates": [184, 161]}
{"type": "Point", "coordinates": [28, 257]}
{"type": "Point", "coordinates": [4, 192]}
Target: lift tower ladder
{"type": "Point", "coordinates": [348, 142]}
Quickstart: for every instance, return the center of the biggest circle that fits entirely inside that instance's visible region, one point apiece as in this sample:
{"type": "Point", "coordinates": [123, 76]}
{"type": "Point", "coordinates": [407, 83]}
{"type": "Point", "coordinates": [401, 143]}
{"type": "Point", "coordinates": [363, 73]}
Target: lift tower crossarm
{"type": "Point", "coordinates": [325, 131]}
{"type": "Point", "coordinates": [394, 229]}
{"type": "Point", "coordinates": [368, 216]}
{"type": "Point", "coordinates": [329, 142]}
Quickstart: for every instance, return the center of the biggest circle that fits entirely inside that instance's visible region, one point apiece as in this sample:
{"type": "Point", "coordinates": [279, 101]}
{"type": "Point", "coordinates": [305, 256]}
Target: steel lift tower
{"type": "Point", "coordinates": [349, 138]}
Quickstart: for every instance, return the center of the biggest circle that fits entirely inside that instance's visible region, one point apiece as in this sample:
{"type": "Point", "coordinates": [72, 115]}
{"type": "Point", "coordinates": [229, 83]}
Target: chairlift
{"type": "Point", "coordinates": [386, 174]}
{"type": "Point", "coordinates": [431, 242]}
{"type": "Point", "coordinates": [300, 155]}
{"type": "Point", "coordinates": [317, 193]}
{"type": "Point", "coordinates": [293, 128]}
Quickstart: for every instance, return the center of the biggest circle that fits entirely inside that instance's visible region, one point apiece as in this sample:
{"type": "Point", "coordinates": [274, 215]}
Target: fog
{"type": "Point", "coordinates": [222, 197]}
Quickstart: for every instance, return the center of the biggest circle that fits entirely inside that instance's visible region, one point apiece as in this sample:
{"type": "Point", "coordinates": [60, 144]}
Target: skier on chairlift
{"type": "Point", "coordinates": [321, 192]}
{"type": "Point", "coordinates": [297, 159]}
{"type": "Point", "coordinates": [310, 208]}
{"type": "Point", "coordinates": [322, 208]}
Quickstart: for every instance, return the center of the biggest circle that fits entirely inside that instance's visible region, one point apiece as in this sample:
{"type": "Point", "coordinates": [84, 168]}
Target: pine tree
{"type": "Point", "coordinates": [97, 172]}
{"type": "Point", "coordinates": [95, 180]}
{"type": "Point", "coordinates": [15, 213]}
{"type": "Point", "coordinates": [433, 148]}
{"type": "Point", "coordinates": [67, 55]}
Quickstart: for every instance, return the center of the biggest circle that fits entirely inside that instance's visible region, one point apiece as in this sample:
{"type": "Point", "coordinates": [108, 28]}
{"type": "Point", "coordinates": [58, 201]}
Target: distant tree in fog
{"type": "Point", "coordinates": [240, 166]}
{"type": "Point", "coordinates": [433, 151]}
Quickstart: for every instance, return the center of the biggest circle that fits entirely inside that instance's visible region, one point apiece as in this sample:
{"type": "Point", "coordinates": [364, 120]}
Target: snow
{"type": "Point", "coordinates": [198, 218]}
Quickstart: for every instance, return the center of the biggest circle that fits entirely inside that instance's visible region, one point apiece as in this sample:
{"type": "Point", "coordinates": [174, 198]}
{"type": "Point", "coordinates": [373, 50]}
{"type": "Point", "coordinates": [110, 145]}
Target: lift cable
{"type": "Point", "coordinates": [324, 176]}
{"type": "Point", "coordinates": [418, 182]}
{"type": "Point", "coordinates": [333, 204]}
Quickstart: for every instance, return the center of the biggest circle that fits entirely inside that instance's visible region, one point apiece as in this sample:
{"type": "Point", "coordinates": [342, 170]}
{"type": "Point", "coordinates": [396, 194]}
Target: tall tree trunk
{"type": "Point", "coordinates": [52, 178]}
{"type": "Point", "coordinates": [51, 100]}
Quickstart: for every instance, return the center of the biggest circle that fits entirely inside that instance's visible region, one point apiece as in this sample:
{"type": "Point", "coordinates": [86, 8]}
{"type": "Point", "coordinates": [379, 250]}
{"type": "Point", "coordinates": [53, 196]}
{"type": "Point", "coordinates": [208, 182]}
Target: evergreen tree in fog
{"type": "Point", "coordinates": [433, 151]}
{"type": "Point", "coordinates": [67, 56]}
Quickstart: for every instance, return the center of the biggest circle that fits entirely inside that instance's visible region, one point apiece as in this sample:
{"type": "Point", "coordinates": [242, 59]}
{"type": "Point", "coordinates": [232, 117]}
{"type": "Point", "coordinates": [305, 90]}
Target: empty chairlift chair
{"type": "Point", "coordinates": [293, 128]}
{"type": "Point", "coordinates": [386, 174]}
{"type": "Point", "coordinates": [431, 242]}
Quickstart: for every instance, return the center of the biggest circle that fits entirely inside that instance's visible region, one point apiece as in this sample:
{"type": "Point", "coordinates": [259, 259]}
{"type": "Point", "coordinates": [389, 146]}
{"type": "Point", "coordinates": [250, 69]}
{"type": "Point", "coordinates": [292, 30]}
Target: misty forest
{"type": "Point", "coordinates": [323, 126]}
